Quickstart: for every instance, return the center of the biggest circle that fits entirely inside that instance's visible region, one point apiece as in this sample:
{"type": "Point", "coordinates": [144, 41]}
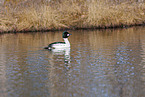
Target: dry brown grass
{"type": "Point", "coordinates": [115, 15]}
{"type": "Point", "coordinates": [70, 14]}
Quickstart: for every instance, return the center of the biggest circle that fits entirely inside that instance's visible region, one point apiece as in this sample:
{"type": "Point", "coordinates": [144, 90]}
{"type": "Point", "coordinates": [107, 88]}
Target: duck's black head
{"type": "Point", "coordinates": [65, 34]}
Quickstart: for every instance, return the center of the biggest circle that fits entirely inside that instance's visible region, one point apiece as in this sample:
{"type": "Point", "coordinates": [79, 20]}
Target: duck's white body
{"type": "Point", "coordinates": [64, 44]}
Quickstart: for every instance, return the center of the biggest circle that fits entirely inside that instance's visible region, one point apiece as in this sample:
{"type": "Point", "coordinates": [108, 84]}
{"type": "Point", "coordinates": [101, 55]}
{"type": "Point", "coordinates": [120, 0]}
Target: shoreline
{"type": "Point", "coordinates": [87, 28]}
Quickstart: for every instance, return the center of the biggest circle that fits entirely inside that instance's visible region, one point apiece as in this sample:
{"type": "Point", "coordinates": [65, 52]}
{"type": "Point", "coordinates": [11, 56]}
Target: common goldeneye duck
{"type": "Point", "coordinates": [57, 45]}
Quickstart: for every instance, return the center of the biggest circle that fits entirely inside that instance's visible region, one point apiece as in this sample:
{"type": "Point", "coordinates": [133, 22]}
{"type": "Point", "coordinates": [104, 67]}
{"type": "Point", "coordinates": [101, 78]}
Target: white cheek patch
{"type": "Point", "coordinates": [67, 34]}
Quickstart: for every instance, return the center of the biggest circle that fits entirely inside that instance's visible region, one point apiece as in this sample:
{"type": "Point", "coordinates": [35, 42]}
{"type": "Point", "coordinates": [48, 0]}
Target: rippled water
{"type": "Point", "coordinates": [100, 63]}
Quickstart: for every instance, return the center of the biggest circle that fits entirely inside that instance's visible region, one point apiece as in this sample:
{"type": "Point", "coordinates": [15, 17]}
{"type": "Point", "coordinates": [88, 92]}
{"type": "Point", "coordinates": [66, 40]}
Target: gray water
{"type": "Point", "coordinates": [100, 63]}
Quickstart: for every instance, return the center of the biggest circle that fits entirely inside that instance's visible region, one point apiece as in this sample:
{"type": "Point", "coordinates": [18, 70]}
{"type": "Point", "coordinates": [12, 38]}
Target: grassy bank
{"type": "Point", "coordinates": [61, 14]}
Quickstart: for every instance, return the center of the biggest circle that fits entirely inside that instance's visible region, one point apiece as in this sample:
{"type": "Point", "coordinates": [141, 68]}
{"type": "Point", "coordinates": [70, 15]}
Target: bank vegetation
{"type": "Point", "coordinates": [37, 15]}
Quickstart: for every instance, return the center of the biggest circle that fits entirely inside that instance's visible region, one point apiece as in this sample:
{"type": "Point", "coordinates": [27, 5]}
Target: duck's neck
{"type": "Point", "coordinates": [66, 41]}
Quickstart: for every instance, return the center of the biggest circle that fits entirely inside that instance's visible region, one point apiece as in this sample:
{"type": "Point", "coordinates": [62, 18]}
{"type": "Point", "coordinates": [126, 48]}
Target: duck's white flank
{"type": "Point", "coordinates": [61, 45]}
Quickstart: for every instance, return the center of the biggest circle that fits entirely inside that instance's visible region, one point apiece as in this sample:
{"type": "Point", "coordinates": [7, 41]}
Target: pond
{"type": "Point", "coordinates": [100, 63]}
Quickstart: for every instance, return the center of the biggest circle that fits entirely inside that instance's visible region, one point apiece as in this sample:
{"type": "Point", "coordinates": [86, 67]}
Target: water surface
{"type": "Point", "coordinates": [100, 63]}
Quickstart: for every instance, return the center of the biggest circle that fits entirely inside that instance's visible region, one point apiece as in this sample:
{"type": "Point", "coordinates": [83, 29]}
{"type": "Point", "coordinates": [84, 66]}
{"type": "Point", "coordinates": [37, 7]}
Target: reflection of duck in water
{"type": "Point", "coordinates": [64, 51]}
{"type": "Point", "coordinates": [60, 45]}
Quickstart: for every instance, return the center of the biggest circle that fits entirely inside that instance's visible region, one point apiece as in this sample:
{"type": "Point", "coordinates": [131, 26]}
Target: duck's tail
{"type": "Point", "coordinates": [48, 47]}
{"type": "Point", "coordinates": [45, 47]}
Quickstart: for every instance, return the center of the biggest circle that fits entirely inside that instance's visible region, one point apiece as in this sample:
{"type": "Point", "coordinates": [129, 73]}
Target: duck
{"type": "Point", "coordinates": [60, 45]}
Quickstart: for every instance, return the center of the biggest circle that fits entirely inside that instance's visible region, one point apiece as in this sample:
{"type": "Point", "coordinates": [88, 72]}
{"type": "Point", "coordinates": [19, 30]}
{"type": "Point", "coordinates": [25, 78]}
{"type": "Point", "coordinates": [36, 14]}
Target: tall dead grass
{"type": "Point", "coordinates": [61, 14]}
{"type": "Point", "coordinates": [125, 13]}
